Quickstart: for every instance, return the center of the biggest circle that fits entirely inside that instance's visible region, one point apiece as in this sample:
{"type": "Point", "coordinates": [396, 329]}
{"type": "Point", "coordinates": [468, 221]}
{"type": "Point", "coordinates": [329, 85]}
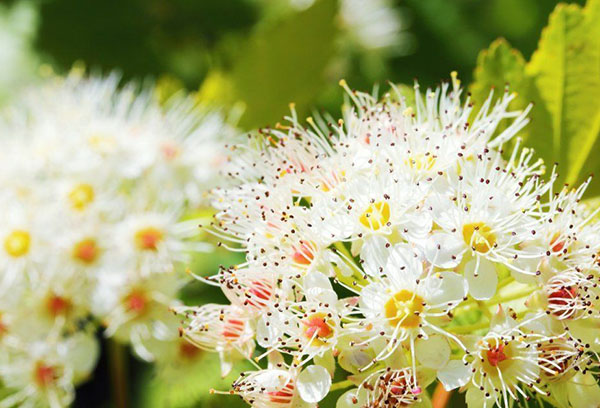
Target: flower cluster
{"type": "Point", "coordinates": [415, 241]}
{"type": "Point", "coordinates": [97, 182]}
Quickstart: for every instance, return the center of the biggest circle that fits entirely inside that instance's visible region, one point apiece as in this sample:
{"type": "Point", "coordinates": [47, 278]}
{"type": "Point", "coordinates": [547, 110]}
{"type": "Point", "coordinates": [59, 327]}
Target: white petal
{"type": "Point", "coordinates": [374, 255]}
{"type": "Point", "coordinates": [266, 334]}
{"type": "Point", "coordinates": [313, 383]}
{"type": "Point", "coordinates": [454, 375]}
{"type": "Point", "coordinates": [482, 278]}
{"type": "Point", "coordinates": [583, 391]}
{"type": "Point", "coordinates": [442, 288]}
{"type": "Point", "coordinates": [433, 352]}
{"type": "Point", "coordinates": [404, 263]}
{"type": "Point", "coordinates": [444, 250]}
{"type": "Point", "coordinates": [317, 287]}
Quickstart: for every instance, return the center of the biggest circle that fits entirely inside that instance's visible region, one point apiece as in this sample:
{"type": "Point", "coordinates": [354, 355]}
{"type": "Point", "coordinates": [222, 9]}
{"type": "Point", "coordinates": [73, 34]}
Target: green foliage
{"type": "Point", "coordinates": [281, 63]}
{"type": "Point", "coordinates": [189, 385]}
{"type": "Point", "coordinates": [562, 79]}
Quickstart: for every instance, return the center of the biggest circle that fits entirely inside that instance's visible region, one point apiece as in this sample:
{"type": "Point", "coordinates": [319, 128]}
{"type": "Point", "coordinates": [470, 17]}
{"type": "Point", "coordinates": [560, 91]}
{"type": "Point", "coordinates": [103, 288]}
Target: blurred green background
{"type": "Point", "coordinates": [267, 53]}
{"type": "Point", "coordinates": [255, 56]}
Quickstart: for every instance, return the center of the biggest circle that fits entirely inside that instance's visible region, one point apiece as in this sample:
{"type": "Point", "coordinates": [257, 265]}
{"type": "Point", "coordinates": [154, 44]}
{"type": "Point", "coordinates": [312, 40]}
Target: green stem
{"type": "Point", "coordinates": [526, 291]}
{"type": "Point", "coordinates": [117, 365]}
{"type": "Point", "coordinates": [341, 385]}
{"type": "Point", "coordinates": [467, 328]}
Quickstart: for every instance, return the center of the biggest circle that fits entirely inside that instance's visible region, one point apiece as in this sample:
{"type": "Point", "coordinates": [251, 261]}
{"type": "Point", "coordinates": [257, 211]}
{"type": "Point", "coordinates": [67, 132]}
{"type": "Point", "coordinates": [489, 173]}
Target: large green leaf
{"type": "Point", "coordinates": [563, 81]}
{"type": "Point", "coordinates": [285, 63]}
{"type": "Point", "coordinates": [566, 72]}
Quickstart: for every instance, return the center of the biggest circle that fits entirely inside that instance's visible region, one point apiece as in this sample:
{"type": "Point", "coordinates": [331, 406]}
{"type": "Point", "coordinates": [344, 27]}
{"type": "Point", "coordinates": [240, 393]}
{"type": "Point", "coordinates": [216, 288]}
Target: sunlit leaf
{"type": "Point", "coordinates": [566, 72]}
{"type": "Point", "coordinates": [285, 62]}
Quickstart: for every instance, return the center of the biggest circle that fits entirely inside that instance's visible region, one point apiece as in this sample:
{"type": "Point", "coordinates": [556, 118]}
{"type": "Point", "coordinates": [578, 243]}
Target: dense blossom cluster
{"type": "Point", "coordinates": [96, 182]}
{"type": "Point", "coordinates": [415, 241]}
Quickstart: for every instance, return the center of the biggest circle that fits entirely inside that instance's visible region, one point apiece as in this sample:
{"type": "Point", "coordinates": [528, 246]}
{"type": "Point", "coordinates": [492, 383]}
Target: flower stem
{"type": "Point", "coordinates": [341, 385]}
{"type": "Point", "coordinates": [441, 397]}
{"type": "Point", "coordinates": [117, 365]}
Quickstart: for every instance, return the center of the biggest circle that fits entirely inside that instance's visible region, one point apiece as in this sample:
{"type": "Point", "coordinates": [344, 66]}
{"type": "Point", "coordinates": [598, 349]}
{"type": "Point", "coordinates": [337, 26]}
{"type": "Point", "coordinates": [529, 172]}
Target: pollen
{"type": "Point", "coordinates": [479, 236]}
{"type": "Point", "coordinates": [376, 215]}
{"type": "Point", "coordinates": [403, 309]}
{"type": "Point", "coordinates": [17, 243]}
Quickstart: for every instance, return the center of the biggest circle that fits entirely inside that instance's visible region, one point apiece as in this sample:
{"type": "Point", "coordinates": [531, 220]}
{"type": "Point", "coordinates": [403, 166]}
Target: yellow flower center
{"type": "Point", "coordinates": [479, 236]}
{"type": "Point", "coordinates": [81, 196]}
{"type": "Point", "coordinates": [404, 309]}
{"type": "Point", "coordinates": [376, 215]}
{"type": "Point", "coordinates": [17, 243]}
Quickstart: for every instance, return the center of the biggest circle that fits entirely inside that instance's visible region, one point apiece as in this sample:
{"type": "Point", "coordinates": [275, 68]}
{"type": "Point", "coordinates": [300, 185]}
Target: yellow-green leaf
{"type": "Point", "coordinates": [565, 71]}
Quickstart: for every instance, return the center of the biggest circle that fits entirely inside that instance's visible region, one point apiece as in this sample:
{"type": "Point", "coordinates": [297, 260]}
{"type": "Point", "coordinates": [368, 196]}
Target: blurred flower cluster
{"type": "Point", "coordinates": [414, 241]}
{"type": "Point", "coordinates": [98, 184]}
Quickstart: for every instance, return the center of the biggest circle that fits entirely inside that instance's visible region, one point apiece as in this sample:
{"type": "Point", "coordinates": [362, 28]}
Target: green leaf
{"type": "Point", "coordinates": [189, 385]}
{"type": "Point", "coordinates": [284, 63]}
{"type": "Point", "coordinates": [563, 81]}
{"type": "Point", "coordinates": [499, 66]}
{"type": "Point", "coordinates": [565, 70]}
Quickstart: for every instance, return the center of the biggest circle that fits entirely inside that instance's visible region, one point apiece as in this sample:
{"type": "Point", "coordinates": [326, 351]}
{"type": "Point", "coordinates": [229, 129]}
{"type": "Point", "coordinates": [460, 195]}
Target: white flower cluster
{"type": "Point", "coordinates": [402, 246]}
{"type": "Point", "coordinates": [95, 182]}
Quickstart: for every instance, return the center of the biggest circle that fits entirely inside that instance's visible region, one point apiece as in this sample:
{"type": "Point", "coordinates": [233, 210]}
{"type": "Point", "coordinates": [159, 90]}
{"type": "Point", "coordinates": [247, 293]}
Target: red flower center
{"type": "Point", "coordinates": [136, 302]}
{"type": "Point", "coordinates": [495, 355]}
{"type": "Point", "coordinates": [148, 238]}
{"type": "Point", "coordinates": [44, 375]}
{"type": "Point", "coordinates": [86, 251]}
{"type": "Point", "coordinates": [58, 305]}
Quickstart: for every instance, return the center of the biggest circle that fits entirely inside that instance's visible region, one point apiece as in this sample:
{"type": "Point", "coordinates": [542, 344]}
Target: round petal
{"type": "Point", "coordinates": [433, 352]}
{"type": "Point", "coordinates": [583, 391]}
{"type": "Point", "coordinates": [313, 383]}
{"type": "Point", "coordinates": [454, 375]}
{"type": "Point", "coordinates": [482, 277]}
{"type": "Point", "coordinates": [442, 288]}
{"type": "Point", "coordinates": [318, 288]}
{"type": "Point", "coordinates": [444, 250]}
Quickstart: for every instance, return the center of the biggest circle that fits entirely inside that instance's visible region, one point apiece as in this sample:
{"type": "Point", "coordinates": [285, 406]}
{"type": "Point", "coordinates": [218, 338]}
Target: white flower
{"type": "Point", "coordinates": [278, 387]}
{"type": "Point", "coordinates": [224, 329]}
{"type": "Point", "coordinates": [402, 303]}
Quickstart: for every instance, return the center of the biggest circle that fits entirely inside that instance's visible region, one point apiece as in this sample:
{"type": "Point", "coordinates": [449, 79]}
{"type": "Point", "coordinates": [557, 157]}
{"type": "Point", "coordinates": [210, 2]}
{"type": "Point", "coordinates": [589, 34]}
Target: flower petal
{"type": "Point", "coordinates": [444, 250]}
{"type": "Point", "coordinates": [443, 288]}
{"type": "Point", "coordinates": [482, 277]}
{"type": "Point", "coordinates": [454, 375]}
{"type": "Point", "coordinates": [433, 352]}
{"type": "Point", "coordinates": [313, 383]}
